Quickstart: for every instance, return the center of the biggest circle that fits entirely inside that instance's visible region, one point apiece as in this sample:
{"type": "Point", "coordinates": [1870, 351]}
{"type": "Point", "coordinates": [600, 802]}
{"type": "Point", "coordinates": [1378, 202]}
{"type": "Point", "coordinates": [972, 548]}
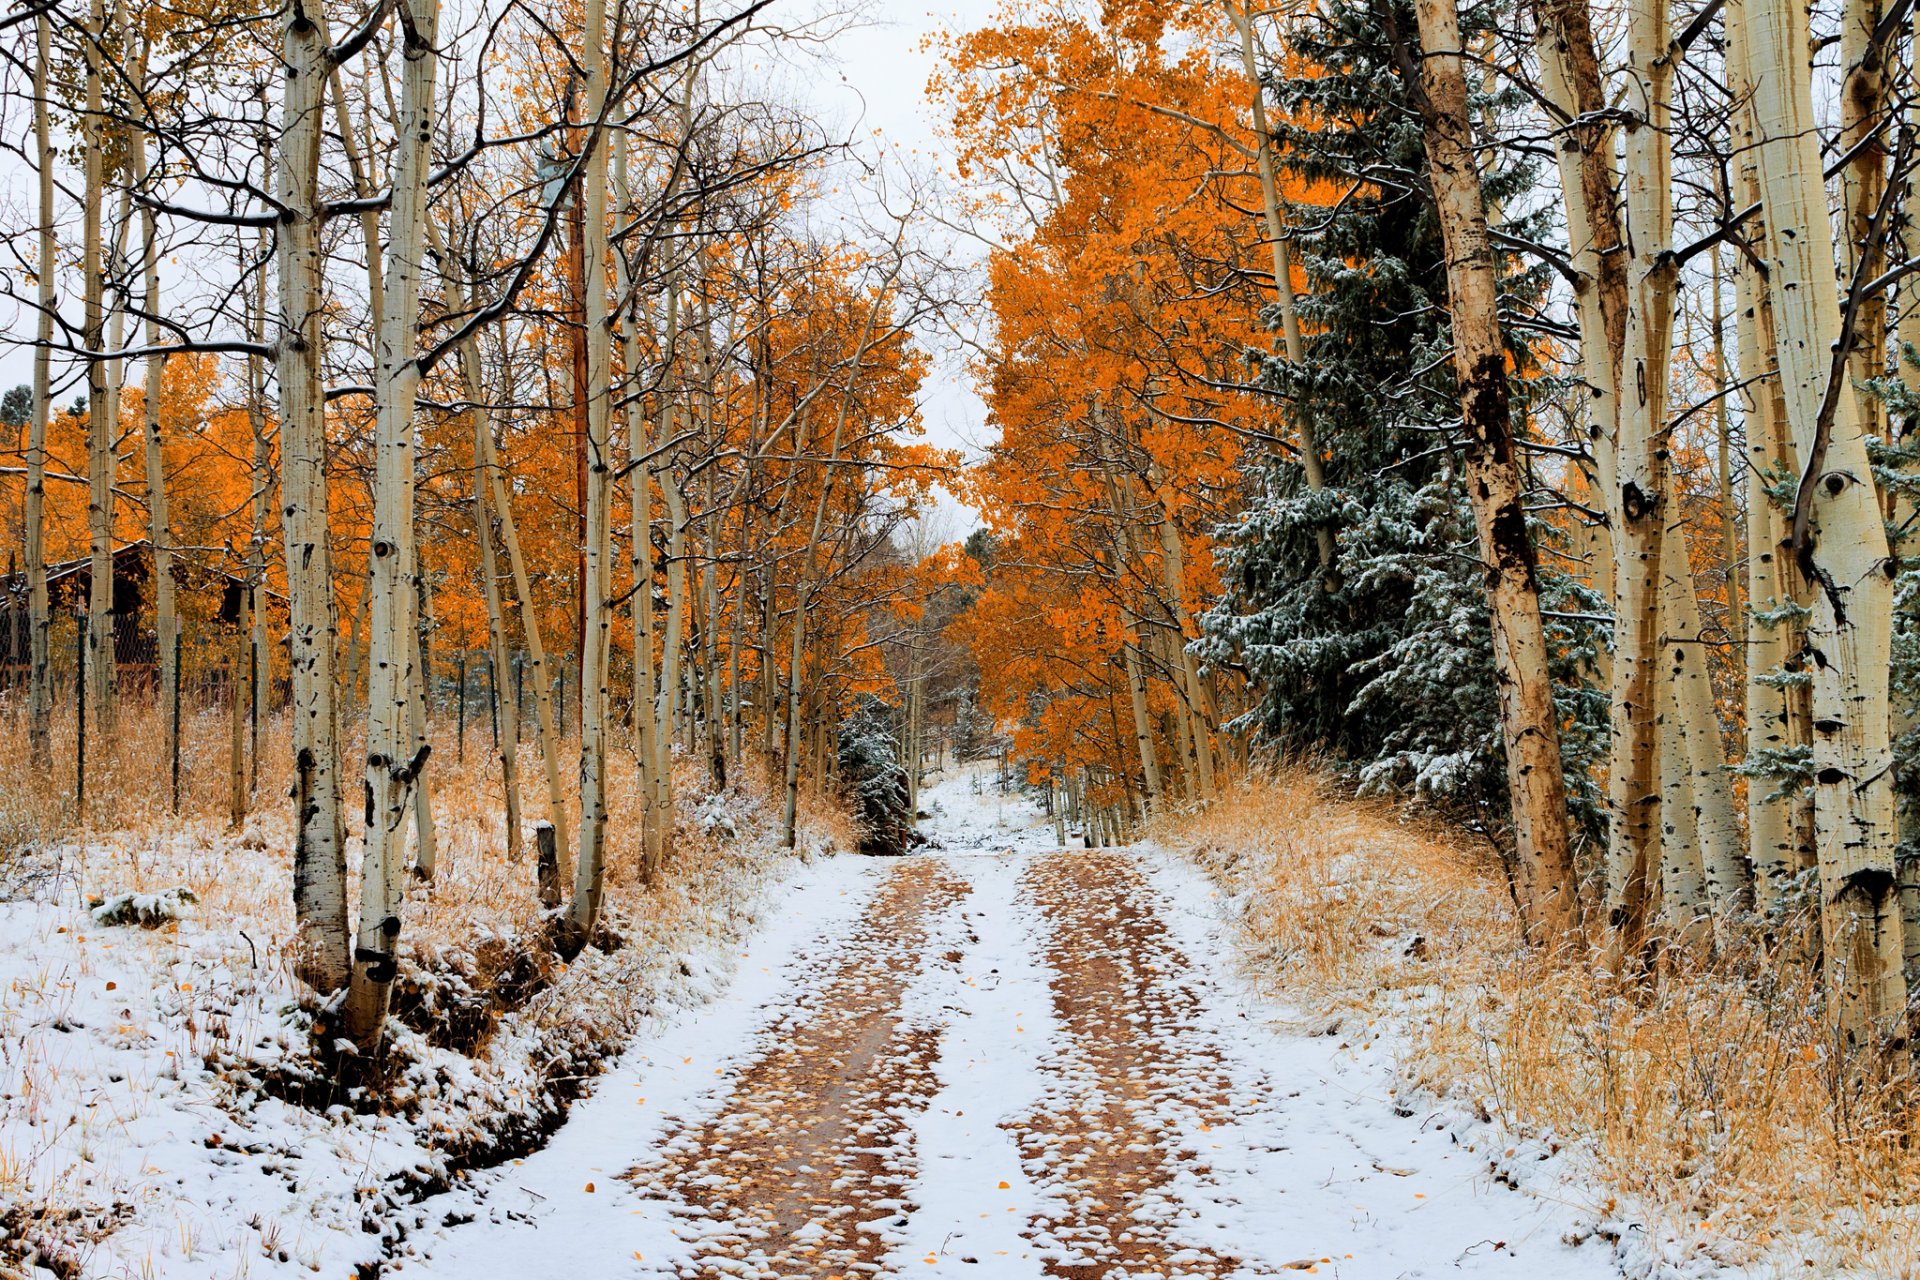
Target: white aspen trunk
{"type": "Point", "coordinates": [1571, 78]}
{"type": "Point", "coordinates": [1682, 884]}
{"type": "Point", "coordinates": [426, 852]}
{"type": "Point", "coordinates": [1856, 828]}
{"type": "Point", "coordinates": [1863, 184]}
{"type": "Point", "coordinates": [589, 879]}
{"type": "Point", "coordinates": [672, 644]}
{"type": "Point", "coordinates": [102, 415]}
{"type": "Point", "coordinates": [39, 690]}
{"type": "Point", "coordinates": [1641, 472]}
{"type": "Point", "coordinates": [1775, 833]}
{"type": "Point", "coordinates": [1530, 725]}
{"type": "Point", "coordinates": [166, 622]}
{"type": "Point", "coordinates": [396, 750]}
{"type": "Point", "coordinates": [1197, 698]}
{"type": "Point", "coordinates": [426, 844]}
{"type": "Point", "coordinates": [260, 683]}
{"type": "Point", "coordinates": [239, 707]}
{"type": "Point", "coordinates": [640, 540]}
{"type": "Point", "coordinates": [1310, 461]}
{"type": "Point", "coordinates": [1714, 855]}
{"type": "Point", "coordinates": [710, 571]}
{"type": "Point", "coordinates": [1130, 644]}
{"type": "Point", "coordinates": [319, 858]}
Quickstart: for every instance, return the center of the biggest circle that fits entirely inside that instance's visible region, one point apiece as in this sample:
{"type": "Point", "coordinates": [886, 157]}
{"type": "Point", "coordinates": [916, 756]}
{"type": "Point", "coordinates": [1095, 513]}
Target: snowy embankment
{"type": "Point", "coordinates": [1682, 1121]}
{"type": "Point", "coordinates": [159, 1111]}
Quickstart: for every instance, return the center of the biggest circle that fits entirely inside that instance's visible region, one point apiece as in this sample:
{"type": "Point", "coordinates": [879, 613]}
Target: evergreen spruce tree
{"type": "Point", "coordinates": [1385, 661]}
{"type": "Point", "coordinates": [876, 781]}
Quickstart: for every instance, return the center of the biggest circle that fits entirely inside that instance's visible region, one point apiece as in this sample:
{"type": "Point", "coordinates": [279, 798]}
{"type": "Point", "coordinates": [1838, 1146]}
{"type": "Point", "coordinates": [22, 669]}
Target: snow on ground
{"type": "Point", "coordinates": [1318, 1168]}
{"type": "Point", "coordinates": [135, 1136]}
{"type": "Point", "coordinates": [1092, 1087]}
{"type": "Point", "coordinates": [567, 1211]}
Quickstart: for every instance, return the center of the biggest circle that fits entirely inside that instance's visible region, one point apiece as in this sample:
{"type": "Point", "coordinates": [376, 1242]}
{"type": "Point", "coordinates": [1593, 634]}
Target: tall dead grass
{"type": "Point", "coordinates": [1708, 1100]}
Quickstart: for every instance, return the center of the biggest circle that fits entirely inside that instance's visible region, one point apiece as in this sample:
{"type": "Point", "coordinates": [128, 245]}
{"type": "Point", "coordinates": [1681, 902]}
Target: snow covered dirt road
{"type": "Point", "coordinates": [996, 1059]}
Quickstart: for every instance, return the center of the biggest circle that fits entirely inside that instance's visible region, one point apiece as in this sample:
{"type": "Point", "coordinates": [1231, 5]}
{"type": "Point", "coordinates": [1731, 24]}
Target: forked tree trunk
{"type": "Point", "coordinates": [396, 751]}
{"type": "Point", "coordinates": [259, 684]}
{"type": "Point", "coordinates": [39, 691]}
{"type": "Point", "coordinates": [1529, 723]}
{"type": "Point", "coordinates": [319, 849]}
{"type": "Point", "coordinates": [102, 411]}
{"type": "Point", "coordinates": [640, 542]}
{"type": "Point", "coordinates": [166, 621]}
{"type": "Point", "coordinates": [1844, 551]}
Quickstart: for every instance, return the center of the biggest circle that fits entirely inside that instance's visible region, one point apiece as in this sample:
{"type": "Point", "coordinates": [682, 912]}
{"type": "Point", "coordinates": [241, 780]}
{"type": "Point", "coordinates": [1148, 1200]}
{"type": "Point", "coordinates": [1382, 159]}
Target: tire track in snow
{"type": "Point", "coordinates": [804, 1169]}
{"type": "Point", "coordinates": [1133, 1067]}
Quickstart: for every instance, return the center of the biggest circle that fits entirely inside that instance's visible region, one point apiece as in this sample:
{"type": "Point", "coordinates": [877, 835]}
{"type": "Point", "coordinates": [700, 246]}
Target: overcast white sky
{"type": "Point", "coordinates": [874, 76]}
{"type": "Point", "coordinates": [882, 72]}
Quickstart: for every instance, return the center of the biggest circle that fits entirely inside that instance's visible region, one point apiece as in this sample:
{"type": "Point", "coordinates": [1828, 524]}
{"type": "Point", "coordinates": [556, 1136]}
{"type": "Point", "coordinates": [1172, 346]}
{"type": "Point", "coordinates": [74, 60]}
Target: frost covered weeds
{"type": "Point", "coordinates": [165, 1107]}
{"type": "Point", "coordinates": [1701, 1114]}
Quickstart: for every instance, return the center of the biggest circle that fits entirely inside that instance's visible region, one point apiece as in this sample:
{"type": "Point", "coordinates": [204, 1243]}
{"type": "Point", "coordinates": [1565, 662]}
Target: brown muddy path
{"type": "Point", "coordinates": [811, 1153]}
{"type": "Point", "coordinates": [1130, 1058]}
{"type": "Point", "coordinates": [806, 1168]}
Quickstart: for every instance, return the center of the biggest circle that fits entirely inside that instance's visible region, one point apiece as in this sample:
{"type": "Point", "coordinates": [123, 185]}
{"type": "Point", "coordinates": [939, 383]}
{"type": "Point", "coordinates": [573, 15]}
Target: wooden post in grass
{"type": "Point", "coordinates": [548, 864]}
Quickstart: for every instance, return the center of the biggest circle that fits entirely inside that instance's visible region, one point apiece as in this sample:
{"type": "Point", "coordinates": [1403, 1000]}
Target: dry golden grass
{"type": "Point", "coordinates": [537, 1033]}
{"type": "Point", "coordinates": [1707, 1102]}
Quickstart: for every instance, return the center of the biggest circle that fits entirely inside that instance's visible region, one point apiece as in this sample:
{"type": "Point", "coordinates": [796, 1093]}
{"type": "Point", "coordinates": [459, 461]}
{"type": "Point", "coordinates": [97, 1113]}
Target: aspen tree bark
{"type": "Point", "coordinates": [1844, 552]}
{"type": "Point", "coordinates": [1199, 698]}
{"type": "Point", "coordinates": [1863, 184]}
{"type": "Point", "coordinates": [1310, 461]}
{"type": "Point", "coordinates": [1130, 645]}
{"type": "Point", "coordinates": [319, 850]}
{"type": "Point", "coordinates": [1714, 832]}
{"type": "Point", "coordinates": [259, 683]}
{"type": "Point", "coordinates": [597, 580]}
{"type": "Point", "coordinates": [239, 711]}
{"type": "Point", "coordinates": [426, 852]}
{"type": "Point", "coordinates": [1530, 726]}
{"type": "Point", "coordinates": [667, 714]}
{"type": "Point", "coordinates": [640, 541]}
{"type": "Point", "coordinates": [1572, 80]}
{"type": "Point", "coordinates": [713, 516]}
{"type": "Point", "coordinates": [1779, 828]}
{"type": "Point", "coordinates": [1682, 883]}
{"type": "Point", "coordinates": [657, 743]}
{"type": "Point", "coordinates": [396, 752]}
{"type": "Point", "coordinates": [1647, 515]}
{"type": "Point", "coordinates": [166, 622]}
{"type": "Point", "coordinates": [427, 845]}
{"type": "Point", "coordinates": [39, 691]}
{"type": "Point", "coordinates": [102, 409]}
